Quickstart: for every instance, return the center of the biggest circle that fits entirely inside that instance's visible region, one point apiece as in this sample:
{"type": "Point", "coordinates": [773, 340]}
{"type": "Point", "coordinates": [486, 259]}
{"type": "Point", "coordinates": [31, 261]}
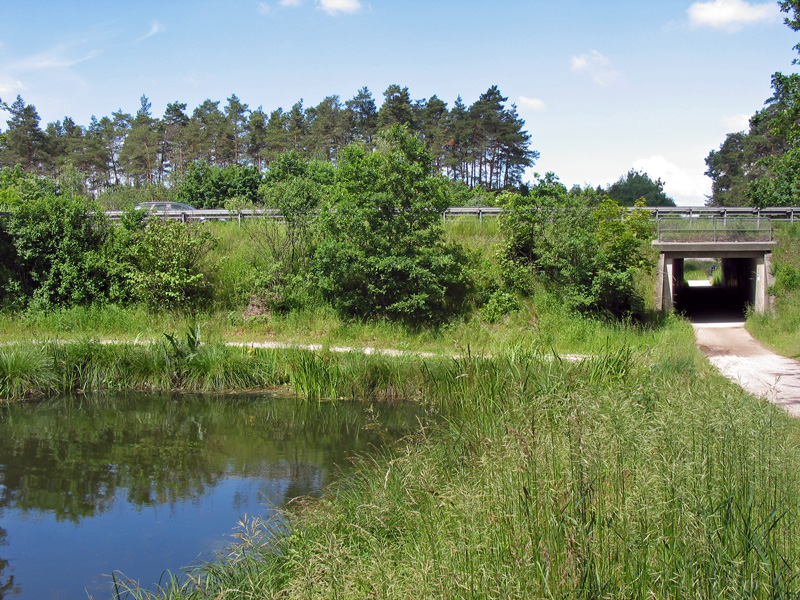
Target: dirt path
{"type": "Point", "coordinates": [743, 360]}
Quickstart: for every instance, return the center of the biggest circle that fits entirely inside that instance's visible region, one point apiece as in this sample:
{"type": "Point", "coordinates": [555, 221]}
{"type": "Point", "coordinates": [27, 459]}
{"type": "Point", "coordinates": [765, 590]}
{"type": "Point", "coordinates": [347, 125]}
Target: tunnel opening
{"type": "Point", "coordinates": [725, 296]}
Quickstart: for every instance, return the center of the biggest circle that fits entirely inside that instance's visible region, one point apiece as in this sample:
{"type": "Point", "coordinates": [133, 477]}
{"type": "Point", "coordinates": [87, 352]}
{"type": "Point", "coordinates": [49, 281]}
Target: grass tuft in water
{"type": "Point", "coordinates": [25, 370]}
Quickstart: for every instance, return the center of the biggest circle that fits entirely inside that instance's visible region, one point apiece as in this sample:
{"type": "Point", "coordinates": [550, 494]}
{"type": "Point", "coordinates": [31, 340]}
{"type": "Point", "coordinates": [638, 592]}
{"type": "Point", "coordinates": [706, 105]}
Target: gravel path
{"type": "Point", "coordinates": [743, 360]}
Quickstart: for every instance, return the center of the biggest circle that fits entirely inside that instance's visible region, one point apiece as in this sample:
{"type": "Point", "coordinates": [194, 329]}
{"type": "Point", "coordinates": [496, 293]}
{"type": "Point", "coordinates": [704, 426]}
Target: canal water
{"type": "Point", "coordinates": [140, 484]}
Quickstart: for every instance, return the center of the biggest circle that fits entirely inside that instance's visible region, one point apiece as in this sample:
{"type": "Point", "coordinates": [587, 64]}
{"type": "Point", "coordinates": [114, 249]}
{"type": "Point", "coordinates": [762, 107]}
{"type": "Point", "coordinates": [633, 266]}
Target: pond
{"type": "Point", "coordinates": [138, 484]}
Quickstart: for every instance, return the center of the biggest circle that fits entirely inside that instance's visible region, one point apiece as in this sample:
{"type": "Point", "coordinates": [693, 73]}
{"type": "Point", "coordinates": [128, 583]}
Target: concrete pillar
{"type": "Point", "coordinates": [660, 282]}
{"type": "Point", "coordinates": [677, 277]}
{"type": "Point", "coordinates": [764, 281]}
{"type": "Point", "coordinates": [665, 284]}
{"type": "Point", "coordinates": [770, 299]}
{"type": "Point", "coordinates": [669, 283]}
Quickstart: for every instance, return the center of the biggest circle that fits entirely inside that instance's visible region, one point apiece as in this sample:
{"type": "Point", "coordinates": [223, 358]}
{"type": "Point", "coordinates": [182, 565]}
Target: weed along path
{"type": "Point", "coordinates": [743, 360]}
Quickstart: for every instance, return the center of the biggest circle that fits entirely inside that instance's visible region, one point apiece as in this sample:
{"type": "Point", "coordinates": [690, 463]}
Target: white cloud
{"type": "Point", "coordinates": [51, 65]}
{"type": "Point", "coordinates": [531, 103]}
{"type": "Point", "coordinates": [736, 122]}
{"type": "Point", "coordinates": [11, 87]}
{"type": "Point", "coordinates": [264, 8]}
{"type": "Point", "coordinates": [53, 58]}
{"type": "Point", "coordinates": [290, 2]}
{"type": "Point", "coordinates": [686, 185]}
{"type": "Point", "coordinates": [333, 7]}
{"type": "Point", "coordinates": [731, 15]}
{"type": "Point", "coordinates": [597, 66]}
{"type": "Point", "coordinates": [155, 29]}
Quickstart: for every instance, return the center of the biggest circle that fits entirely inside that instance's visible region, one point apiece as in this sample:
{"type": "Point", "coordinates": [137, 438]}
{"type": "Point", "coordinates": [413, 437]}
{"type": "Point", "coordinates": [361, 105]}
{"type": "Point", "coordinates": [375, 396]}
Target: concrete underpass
{"type": "Point", "coordinates": [746, 278]}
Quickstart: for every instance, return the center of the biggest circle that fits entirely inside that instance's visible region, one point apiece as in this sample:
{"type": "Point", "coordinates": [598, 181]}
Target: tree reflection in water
{"type": "Point", "coordinates": [7, 588]}
{"type": "Point", "coordinates": [70, 460]}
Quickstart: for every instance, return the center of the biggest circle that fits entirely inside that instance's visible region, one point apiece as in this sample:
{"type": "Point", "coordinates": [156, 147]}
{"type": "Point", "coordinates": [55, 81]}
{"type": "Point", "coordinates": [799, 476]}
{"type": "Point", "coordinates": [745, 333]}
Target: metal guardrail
{"type": "Point", "coordinates": [714, 229]}
{"type": "Point", "coordinates": [787, 213]}
{"type": "Point", "coordinates": [206, 214]}
{"type": "Point", "coordinates": [479, 212]}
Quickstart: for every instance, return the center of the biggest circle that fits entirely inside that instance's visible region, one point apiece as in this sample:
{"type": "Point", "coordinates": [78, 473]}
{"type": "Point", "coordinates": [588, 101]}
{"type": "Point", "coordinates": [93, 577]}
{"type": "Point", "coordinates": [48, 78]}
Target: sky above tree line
{"type": "Point", "coordinates": [604, 87]}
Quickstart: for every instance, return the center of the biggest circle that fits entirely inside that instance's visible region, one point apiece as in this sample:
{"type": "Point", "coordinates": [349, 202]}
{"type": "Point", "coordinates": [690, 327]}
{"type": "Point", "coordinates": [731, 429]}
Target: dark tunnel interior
{"type": "Point", "coordinates": [726, 302]}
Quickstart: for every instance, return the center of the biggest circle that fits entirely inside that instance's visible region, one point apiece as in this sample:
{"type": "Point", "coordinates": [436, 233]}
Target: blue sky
{"type": "Point", "coordinates": [603, 86]}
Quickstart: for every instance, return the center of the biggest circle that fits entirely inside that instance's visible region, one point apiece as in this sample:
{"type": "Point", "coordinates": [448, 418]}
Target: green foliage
{"type": "Point", "coordinates": [163, 264]}
{"type": "Point", "coordinates": [635, 186]}
{"type": "Point", "coordinates": [18, 186]}
{"type": "Point", "coordinates": [59, 241]}
{"type": "Point", "coordinates": [578, 242]}
{"type": "Point", "coordinates": [208, 186]}
{"type": "Point", "coordinates": [295, 187]}
{"type": "Point", "coordinates": [739, 162]}
{"type": "Point", "coordinates": [780, 183]}
{"type": "Point", "coordinates": [123, 197]}
{"type": "Point", "coordinates": [381, 252]}
{"type": "Point", "coordinates": [499, 304]}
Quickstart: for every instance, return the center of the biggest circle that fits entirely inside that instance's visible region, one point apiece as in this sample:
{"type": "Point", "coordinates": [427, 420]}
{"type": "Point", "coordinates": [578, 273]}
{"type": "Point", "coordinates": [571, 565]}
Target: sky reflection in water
{"type": "Point", "coordinates": [140, 483]}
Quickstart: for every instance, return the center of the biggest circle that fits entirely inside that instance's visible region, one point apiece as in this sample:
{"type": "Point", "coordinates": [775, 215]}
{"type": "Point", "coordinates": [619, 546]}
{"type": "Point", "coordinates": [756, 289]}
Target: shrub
{"type": "Point", "coordinates": [500, 304]}
{"type": "Point", "coordinates": [163, 263]}
{"type": "Point", "coordinates": [787, 277]}
{"type": "Point", "coordinates": [577, 241]}
{"type": "Point", "coordinates": [59, 241]}
{"type": "Point", "coordinates": [296, 188]}
{"type": "Point", "coordinates": [381, 251]}
{"type": "Point", "coordinates": [207, 186]}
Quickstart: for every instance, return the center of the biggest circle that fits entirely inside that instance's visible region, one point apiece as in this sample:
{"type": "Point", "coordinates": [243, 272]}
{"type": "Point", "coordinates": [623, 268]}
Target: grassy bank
{"type": "Point", "coordinates": [781, 330]}
{"type": "Point", "coordinates": [68, 350]}
{"type": "Point", "coordinates": [638, 473]}
{"type": "Point", "coordinates": [32, 370]}
{"type": "Point", "coordinates": [540, 322]}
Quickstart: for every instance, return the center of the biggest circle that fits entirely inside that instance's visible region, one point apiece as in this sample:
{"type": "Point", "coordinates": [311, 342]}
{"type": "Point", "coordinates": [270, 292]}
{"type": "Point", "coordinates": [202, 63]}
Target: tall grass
{"type": "Point", "coordinates": [630, 475]}
{"type": "Point", "coordinates": [781, 330]}
{"type": "Point", "coordinates": [25, 371]}
{"type": "Point", "coordinates": [30, 370]}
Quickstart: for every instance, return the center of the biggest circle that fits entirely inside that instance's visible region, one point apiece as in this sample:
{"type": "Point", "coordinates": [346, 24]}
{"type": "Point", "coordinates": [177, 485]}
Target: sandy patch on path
{"type": "Point", "coordinates": [743, 360]}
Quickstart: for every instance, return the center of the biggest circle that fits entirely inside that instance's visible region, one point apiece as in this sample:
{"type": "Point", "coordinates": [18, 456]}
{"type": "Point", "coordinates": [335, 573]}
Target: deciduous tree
{"type": "Point", "coordinates": [381, 251]}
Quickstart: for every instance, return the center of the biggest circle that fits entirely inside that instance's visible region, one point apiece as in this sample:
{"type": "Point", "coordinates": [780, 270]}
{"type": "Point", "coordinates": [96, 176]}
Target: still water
{"type": "Point", "coordinates": [137, 484]}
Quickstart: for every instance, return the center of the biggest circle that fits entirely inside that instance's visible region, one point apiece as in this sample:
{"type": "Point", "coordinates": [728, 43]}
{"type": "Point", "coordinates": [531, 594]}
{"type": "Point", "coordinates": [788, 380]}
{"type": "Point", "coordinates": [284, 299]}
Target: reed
{"type": "Point", "coordinates": [24, 371]}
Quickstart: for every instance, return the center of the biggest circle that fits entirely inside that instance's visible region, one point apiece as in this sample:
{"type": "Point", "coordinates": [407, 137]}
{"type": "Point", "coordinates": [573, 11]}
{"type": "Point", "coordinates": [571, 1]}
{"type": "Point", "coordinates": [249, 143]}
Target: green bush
{"type": "Point", "coordinates": [296, 188]}
{"type": "Point", "coordinates": [162, 263]}
{"type": "Point", "coordinates": [381, 252]}
{"type": "Point", "coordinates": [787, 277]}
{"type": "Point", "coordinates": [207, 186]}
{"type": "Point", "coordinates": [59, 245]}
{"type": "Point", "coordinates": [578, 242]}
{"type": "Point", "coordinates": [500, 304]}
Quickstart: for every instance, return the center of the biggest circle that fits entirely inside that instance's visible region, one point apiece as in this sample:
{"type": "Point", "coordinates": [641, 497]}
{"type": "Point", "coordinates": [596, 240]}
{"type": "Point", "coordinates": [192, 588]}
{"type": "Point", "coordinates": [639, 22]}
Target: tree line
{"type": "Point", "coordinates": [481, 145]}
{"type": "Point", "coordinates": [761, 166]}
